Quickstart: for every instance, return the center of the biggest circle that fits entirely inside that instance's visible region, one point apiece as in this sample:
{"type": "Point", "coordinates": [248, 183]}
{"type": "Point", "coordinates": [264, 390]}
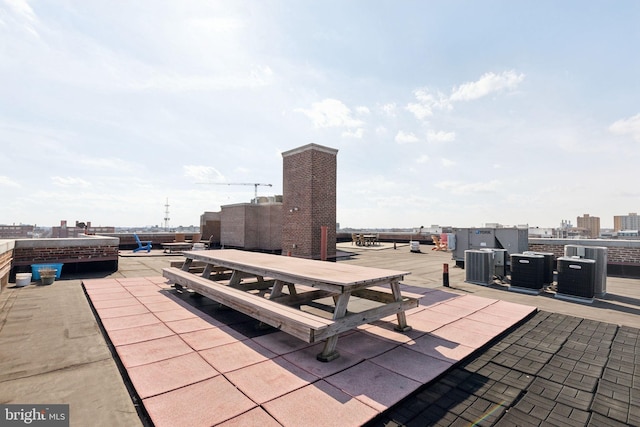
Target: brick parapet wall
{"type": "Point", "coordinates": [89, 249]}
{"type": "Point", "coordinates": [28, 256]}
{"type": "Point", "coordinates": [623, 252]}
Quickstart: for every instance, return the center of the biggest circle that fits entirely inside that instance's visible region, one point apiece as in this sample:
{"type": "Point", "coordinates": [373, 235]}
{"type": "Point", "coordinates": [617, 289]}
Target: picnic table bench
{"type": "Point", "coordinates": [176, 247]}
{"type": "Point", "coordinates": [279, 291]}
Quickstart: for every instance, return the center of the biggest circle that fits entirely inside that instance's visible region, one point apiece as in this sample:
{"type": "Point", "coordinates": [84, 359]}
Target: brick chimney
{"type": "Point", "coordinates": [309, 200]}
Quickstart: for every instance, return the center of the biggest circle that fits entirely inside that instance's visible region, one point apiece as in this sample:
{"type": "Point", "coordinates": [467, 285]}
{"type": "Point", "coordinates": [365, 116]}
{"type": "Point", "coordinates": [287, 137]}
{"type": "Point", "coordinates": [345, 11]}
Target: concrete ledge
{"type": "Point", "coordinates": [623, 256]}
{"type": "Point", "coordinates": [608, 243]}
{"type": "Point", "coordinates": [88, 240]}
{"type": "Point", "coordinates": [98, 251]}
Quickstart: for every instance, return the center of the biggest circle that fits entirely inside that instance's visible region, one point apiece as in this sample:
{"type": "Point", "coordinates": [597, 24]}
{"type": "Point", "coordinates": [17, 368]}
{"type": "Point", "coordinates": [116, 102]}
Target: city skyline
{"type": "Point", "coordinates": [453, 113]}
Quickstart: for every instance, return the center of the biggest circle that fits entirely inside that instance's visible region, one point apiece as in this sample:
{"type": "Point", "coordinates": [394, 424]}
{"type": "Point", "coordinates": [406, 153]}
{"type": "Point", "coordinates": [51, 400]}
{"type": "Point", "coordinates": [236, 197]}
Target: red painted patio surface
{"type": "Point", "coordinates": [190, 369]}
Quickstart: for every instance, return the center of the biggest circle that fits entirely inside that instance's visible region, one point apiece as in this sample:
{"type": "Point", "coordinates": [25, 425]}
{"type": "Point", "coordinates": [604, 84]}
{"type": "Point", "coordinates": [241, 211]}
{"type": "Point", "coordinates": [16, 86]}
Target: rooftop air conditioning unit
{"type": "Point", "coordinates": [599, 255]}
{"type": "Point", "coordinates": [479, 266]}
{"type": "Point", "coordinates": [527, 273]}
{"type": "Point", "coordinates": [576, 278]}
{"type": "Point", "coordinates": [549, 265]}
{"type": "Point", "coordinates": [499, 261]}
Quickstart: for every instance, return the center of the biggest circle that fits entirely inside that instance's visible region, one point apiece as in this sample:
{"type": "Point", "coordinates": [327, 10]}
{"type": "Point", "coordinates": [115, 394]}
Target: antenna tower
{"type": "Point", "coordinates": [166, 215]}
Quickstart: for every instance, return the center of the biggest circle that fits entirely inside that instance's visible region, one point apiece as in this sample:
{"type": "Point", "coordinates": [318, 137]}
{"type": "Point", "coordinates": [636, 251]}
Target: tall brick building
{"type": "Point", "coordinates": [309, 200]}
{"type": "Point", "coordinates": [591, 224]}
{"type": "Point", "coordinates": [626, 222]}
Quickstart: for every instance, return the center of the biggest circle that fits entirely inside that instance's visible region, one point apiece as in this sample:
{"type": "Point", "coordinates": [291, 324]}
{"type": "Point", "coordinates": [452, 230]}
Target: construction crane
{"type": "Point", "coordinates": [255, 185]}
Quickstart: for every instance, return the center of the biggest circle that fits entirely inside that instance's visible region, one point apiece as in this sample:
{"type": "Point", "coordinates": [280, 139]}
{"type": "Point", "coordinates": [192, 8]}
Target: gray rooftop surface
{"type": "Point", "coordinates": [570, 364]}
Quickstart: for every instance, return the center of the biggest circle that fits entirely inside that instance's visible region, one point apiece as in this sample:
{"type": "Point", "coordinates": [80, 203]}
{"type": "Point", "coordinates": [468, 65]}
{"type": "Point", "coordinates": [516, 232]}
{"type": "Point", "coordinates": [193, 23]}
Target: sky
{"type": "Point", "coordinates": [456, 113]}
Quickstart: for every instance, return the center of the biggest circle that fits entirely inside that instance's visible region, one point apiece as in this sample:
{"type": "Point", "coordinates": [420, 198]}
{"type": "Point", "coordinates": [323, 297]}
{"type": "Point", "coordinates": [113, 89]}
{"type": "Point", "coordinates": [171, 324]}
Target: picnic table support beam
{"type": "Point", "coordinates": [187, 264]}
{"type": "Point", "coordinates": [329, 352]}
{"type": "Point", "coordinates": [206, 273]}
{"type": "Point", "coordinates": [402, 317]}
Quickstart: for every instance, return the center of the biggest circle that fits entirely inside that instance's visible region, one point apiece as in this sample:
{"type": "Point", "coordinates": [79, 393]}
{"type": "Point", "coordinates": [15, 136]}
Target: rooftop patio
{"type": "Point", "coordinates": [60, 345]}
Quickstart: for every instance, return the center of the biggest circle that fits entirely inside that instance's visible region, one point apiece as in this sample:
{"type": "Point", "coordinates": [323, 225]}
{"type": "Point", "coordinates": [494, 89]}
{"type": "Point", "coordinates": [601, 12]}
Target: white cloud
{"type": "Point", "coordinates": [630, 126]}
{"type": "Point", "coordinates": [390, 109]}
{"type": "Point", "coordinates": [460, 188]}
{"type": "Point", "coordinates": [202, 174]}
{"type": "Point", "coordinates": [422, 159]}
{"type": "Point", "coordinates": [421, 111]}
{"type": "Point", "coordinates": [440, 136]}
{"type": "Point", "coordinates": [330, 113]}
{"type": "Point", "coordinates": [5, 181]}
{"type": "Point", "coordinates": [70, 182]}
{"type": "Point", "coordinates": [488, 83]}
{"type": "Point", "coordinates": [358, 133]}
{"type": "Point", "coordinates": [447, 162]}
{"type": "Point", "coordinates": [405, 138]}
{"type": "Point", "coordinates": [363, 110]}
{"type": "Point", "coordinates": [427, 102]}
{"type": "Point", "coordinates": [439, 100]}
{"type": "Point", "coordinates": [257, 76]}
{"type": "Point", "coordinates": [23, 15]}
{"type": "Point", "coordinates": [381, 130]}
{"type": "Point", "coordinates": [102, 163]}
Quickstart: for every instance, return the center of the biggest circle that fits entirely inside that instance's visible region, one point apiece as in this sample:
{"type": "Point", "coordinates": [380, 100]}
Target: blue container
{"type": "Point", "coordinates": [35, 269]}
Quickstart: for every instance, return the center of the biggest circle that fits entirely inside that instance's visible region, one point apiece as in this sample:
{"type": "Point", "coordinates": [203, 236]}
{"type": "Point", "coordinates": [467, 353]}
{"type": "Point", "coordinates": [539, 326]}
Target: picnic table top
{"type": "Point", "coordinates": [342, 274]}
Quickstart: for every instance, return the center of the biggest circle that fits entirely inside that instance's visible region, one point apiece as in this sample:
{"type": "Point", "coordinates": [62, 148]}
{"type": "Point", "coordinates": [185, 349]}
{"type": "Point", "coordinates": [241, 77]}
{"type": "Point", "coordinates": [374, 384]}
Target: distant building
{"type": "Point", "coordinates": [628, 233]}
{"type": "Point", "coordinates": [16, 231]}
{"type": "Point", "coordinates": [541, 233]}
{"type": "Point", "coordinates": [251, 226]}
{"type": "Point", "coordinates": [626, 222]}
{"type": "Point", "coordinates": [64, 231]}
{"type": "Point", "coordinates": [591, 224]}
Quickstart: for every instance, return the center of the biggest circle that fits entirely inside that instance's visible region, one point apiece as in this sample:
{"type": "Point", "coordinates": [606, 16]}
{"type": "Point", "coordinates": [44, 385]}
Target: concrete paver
{"type": "Point", "coordinates": [154, 365]}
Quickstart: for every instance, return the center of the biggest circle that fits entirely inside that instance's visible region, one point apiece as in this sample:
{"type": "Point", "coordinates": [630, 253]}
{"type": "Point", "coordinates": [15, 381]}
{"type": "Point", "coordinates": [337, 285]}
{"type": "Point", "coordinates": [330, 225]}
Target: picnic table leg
{"type": "Point", "coordinates": [329, 352]}
{"type": "Point", "coordinates": [276, 291]}
{"type": "Point", "coordinates": [402, 317]}
{"type": "Point", "coordinates": [187, 264]}
{"type": "Point", "coordinates": [292, 289]}
{"type": "Point", "coordinates": [236, 278]}
{"type": "Point", "coordinates": [207, 271]}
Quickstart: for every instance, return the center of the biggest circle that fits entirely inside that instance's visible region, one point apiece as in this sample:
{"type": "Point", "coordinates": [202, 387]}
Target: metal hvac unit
{"type": "Point", "coordinates": [600, 256]}
{"type": "Point", "coordinates": [451, 241]}
{"type": "Point", "coordinates": [576, 278]}
{"type": "Point", "coordinates": [500, 257]}
{"type": "Point", "coordinates": [527, 272]}
{"type": "Point", "coordinates": [513, 240]}
{"type": "Point", "coordinates": [549, 265]}
{"type": "Point", "coordinates": [499, 262]}
{"type": "Point", "coordinates": [479, 266]}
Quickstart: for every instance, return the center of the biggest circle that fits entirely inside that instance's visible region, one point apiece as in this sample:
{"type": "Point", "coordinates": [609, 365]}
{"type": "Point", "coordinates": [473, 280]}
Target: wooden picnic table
{"type": "Point", "coordinates": [364, 239]}
{"type": "Point", "coordinates": [369, 239]}
{"type": "Point", "coordinates": [176, 247]}
{"type": "Point", "coordinates": [305, 282]}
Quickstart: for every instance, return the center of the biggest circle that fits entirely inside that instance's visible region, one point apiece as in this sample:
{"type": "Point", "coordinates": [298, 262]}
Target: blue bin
{"type": "Point", "coordinates": [35, 269]}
